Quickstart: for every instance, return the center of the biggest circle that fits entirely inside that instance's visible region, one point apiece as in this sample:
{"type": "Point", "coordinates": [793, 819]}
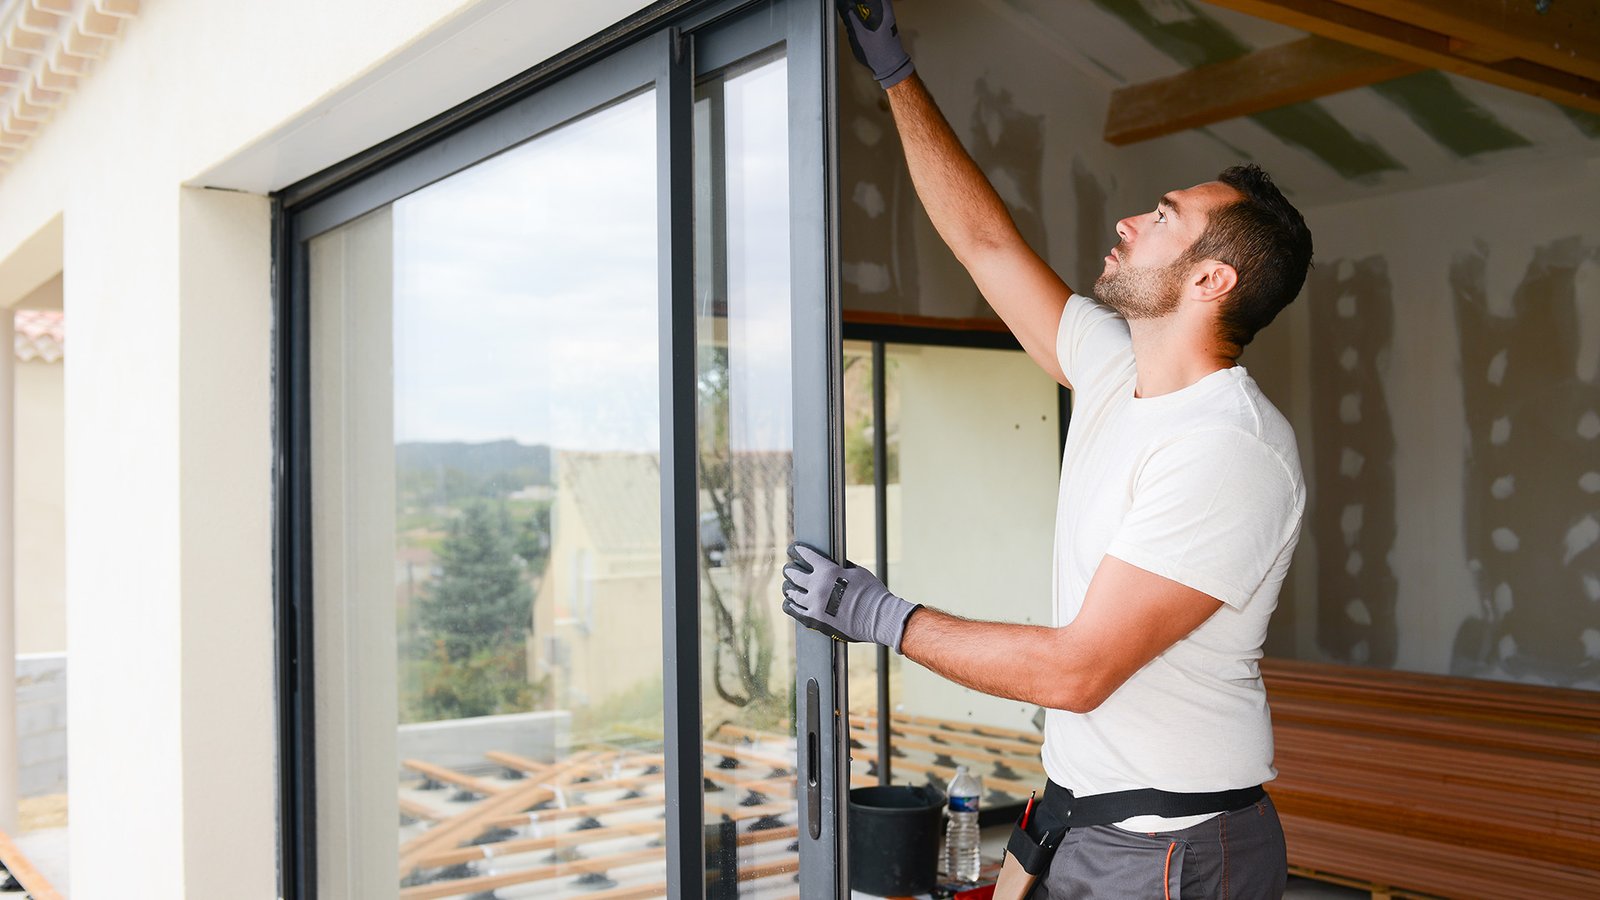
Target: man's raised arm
{"type": "Point", "coordinates": [967, 212]}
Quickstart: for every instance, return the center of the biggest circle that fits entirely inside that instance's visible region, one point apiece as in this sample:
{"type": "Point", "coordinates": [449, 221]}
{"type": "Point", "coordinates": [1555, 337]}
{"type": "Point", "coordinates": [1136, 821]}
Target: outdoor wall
{"type": "Point", "coordinates": [41, 724]}
{"type": "Point", "coordinates": [168, 402]}
{"type": "Point", "coordinates": [1442, 371]}
{"type": "Point", "coordinates": [40, 514]}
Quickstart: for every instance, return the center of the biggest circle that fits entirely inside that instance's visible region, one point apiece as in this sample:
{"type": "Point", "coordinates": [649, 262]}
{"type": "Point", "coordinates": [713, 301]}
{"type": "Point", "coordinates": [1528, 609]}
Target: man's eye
{"type": "Point", "coordinates": [1161, 217]}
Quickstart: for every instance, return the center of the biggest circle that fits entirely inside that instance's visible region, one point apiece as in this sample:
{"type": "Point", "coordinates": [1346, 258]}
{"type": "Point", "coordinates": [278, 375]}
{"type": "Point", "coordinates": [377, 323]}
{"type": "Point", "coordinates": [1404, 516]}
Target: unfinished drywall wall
{"type": "Point", "coordinates": [1029, 118]}
{"type": "Point", "coordinates": [1442, 371]}
{"type": "Point", "coordinates": [1532, 400]}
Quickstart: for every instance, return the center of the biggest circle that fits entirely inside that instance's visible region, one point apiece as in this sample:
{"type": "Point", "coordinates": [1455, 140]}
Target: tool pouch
{"type": "Point", "coordinates": [1026, 859]}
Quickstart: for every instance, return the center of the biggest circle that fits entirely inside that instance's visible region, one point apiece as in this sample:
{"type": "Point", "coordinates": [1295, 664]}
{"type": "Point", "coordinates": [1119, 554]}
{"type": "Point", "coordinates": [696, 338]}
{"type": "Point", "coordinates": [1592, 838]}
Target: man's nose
{"type": "Point", "coordinates": [1125, 228]}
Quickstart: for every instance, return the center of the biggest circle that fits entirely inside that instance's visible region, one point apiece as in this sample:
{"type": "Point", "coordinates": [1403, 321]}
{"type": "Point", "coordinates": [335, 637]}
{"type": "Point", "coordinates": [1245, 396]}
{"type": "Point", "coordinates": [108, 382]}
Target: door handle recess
{"type": "Point", "coordinates": [813, 761]}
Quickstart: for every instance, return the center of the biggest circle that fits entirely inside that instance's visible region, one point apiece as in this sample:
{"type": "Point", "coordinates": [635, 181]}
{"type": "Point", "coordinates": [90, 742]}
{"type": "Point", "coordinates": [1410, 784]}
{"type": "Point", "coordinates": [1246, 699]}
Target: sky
{"type": "Point", "coordinates": [525, 287]}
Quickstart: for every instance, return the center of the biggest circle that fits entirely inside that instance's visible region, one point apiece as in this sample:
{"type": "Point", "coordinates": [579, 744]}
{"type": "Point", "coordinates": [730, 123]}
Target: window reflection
{"type": "Point", "coordinates": [487, 459]}
{"type": "Point", "coordinates": [746, 481]}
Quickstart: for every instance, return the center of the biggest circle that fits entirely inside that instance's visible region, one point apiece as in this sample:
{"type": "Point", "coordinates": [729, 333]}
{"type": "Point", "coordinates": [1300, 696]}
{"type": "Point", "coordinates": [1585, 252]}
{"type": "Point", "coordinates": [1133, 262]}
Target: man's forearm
{"type": "Point", "coordinates": [1031, 663]}
{"type": "Point", "coordinates": [963, 205]}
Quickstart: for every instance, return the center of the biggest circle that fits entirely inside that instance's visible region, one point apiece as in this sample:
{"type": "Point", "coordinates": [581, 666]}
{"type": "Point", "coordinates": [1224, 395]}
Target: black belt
{"type": "Point", "coordinates": [1061, 808]}
{"type": "Point", "coordinates": [1058, 811]}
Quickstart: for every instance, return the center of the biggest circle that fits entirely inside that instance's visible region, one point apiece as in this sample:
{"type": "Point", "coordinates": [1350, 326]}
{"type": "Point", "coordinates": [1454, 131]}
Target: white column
{"type": "Point", "coordinates": [8, 577]}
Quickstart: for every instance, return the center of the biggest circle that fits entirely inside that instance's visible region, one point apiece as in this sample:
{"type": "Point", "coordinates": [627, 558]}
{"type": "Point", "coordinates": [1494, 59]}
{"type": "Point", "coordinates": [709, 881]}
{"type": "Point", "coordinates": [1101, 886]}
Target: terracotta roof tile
{"type": "Point", "coordinates": [40, 335]}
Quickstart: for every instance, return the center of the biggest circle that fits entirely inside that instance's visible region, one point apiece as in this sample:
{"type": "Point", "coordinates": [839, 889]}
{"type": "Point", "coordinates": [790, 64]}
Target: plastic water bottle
{"type": "Point", "coordinates": [961, 830]}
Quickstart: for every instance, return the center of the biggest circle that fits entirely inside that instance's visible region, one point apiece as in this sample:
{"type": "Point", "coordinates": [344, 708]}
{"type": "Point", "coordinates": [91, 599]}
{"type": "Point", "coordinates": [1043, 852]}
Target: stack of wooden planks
{"type": "Point", "coordinates": [1422, 785]}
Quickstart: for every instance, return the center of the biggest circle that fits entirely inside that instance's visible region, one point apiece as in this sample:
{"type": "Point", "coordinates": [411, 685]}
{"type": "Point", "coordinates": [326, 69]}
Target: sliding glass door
{"type": "Point", "coordinates": [558, 389]}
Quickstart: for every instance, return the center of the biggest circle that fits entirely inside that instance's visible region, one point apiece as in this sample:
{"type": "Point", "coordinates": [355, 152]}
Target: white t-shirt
{"type": "Point", "coordinates": [1202, 486]}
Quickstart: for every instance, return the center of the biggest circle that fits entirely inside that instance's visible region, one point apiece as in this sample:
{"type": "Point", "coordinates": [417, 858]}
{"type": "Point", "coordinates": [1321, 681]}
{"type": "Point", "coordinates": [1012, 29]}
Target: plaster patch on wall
{"type": "Point", "coordinates": [1530, 527]}
{"type": "Point", "coordinates": [1353, 517]}
{"type": "Point", "coordinates": [869, 199]}
{"type": "Point", "coordinates": [867, 277]}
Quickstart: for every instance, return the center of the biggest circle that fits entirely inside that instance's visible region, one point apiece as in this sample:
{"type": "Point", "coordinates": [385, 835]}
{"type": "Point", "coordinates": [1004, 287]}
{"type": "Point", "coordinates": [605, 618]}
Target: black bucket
{"type": "Point", "coordinates": [894, 838]}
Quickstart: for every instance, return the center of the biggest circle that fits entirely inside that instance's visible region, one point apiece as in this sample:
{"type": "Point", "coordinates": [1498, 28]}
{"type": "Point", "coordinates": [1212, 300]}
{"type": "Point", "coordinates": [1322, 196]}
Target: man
{"type": "Point", "coordinates": [1180, 505]}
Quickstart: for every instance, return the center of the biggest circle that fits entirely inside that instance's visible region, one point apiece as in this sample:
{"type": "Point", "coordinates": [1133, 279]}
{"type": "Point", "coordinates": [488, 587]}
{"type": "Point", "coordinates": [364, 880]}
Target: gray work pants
{"type": "Point", "coordinates": [1238, 855]}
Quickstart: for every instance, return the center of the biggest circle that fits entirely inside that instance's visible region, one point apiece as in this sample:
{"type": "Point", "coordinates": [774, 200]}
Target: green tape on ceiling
{"type": "Point", "coordinates": [1195, 39]}
{"type": "Point", "coordinates": [1586, 122]}
{"type": "Point", "coordinates": [1232, 148]}
{"type": "Point", "coordinates": [1448, 116]}
{"type": "Point", "coordinates": [1189, 36]}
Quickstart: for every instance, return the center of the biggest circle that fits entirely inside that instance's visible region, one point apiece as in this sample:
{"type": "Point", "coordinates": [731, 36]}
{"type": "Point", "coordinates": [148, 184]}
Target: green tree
{"type": "Point", "coordinates": [488, 682]}
{"type": "Point", "coordinates": [533, 540]}
{"type": "Point", "coordinates": [474, 620]}
{"type": "Point", "coordinates": [737, 555]}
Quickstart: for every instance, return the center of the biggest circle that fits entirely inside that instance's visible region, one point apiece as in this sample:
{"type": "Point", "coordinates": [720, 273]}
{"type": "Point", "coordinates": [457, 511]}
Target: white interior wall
{"type": "Point", "coordinates": [979, 459]}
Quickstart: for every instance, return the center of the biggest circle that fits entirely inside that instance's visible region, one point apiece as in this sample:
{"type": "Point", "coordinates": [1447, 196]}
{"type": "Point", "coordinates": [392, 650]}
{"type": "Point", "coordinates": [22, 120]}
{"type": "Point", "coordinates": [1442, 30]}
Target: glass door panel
{"type": "Point", "coordinates": [971, 444]}
{"type": "Point", "coordinates": [861, 460]}
{"type": "Point", "coordinates": [488, 552]}
{"type": "Point", "coordinates": [746, 469]}
{"type": "Point", "coordinates": [516, 682]}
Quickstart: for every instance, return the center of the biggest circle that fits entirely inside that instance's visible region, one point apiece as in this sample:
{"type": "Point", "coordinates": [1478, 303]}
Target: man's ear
{"type": "Point", "coordinates": [1212, 280]}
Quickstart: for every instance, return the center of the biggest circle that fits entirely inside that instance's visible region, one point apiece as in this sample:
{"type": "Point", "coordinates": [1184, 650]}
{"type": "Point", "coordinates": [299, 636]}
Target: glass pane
{"type": "Point", "coordinates": [487, 508]}
{"type": "Point", "coordinates": [746, 477]}
{"type": "Point", "coordinates": [974, 456]}
{"type": "Point", "coordinates": [861, 514]}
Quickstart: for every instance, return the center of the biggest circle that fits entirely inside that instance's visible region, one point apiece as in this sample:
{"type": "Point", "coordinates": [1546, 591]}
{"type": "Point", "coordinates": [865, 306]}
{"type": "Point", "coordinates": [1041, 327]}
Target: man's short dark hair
{"type": "Point", "coordinates": [1268, 244]}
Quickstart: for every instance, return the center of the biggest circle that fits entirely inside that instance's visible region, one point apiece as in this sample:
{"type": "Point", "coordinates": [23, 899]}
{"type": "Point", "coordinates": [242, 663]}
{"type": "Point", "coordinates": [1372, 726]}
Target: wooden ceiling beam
{"type": "Point", "coordinates": [1390, 35]}
{"type": "Point", "coordinates": [1266, 79]}
{"type": "Point", "coordinates": [1565, 37]}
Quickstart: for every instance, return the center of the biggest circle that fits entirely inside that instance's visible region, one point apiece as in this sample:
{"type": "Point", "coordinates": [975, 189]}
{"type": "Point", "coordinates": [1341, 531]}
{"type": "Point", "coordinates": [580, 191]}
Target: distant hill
{"type": "Point", "coordinates": [456, 469]}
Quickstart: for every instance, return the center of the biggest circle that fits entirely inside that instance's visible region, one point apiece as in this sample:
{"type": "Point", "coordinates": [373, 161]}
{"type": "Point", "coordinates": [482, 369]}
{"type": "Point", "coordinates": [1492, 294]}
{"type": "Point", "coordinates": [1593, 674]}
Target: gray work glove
{"type": "Point", "coordinates": [846, 602]}
{"type": "Point", "coordinates": [875, 39]}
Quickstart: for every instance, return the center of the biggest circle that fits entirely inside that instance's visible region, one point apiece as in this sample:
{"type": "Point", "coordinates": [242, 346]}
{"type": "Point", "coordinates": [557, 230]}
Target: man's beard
{"type": "Point", "coordinates": [1141, 292]}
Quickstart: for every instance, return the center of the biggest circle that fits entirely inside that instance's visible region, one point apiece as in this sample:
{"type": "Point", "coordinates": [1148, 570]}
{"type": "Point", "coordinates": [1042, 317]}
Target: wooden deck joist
{"type": "Point", "coordinates": [1028, 749]}
{"type": "Point", "coordinates": [603, 864]}
{"type": "Point", "coordinates": [987, 757]}
{"type": "Point", "coordinates": [31, 879]}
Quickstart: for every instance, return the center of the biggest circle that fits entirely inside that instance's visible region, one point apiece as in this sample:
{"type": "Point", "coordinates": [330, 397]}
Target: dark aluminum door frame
{"type": "Point", "coordinates": [822, 713]}
{"type": "Point", "coordinates": [662, 48]}
{"type": "Point", "coordinates": [806, 29]}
